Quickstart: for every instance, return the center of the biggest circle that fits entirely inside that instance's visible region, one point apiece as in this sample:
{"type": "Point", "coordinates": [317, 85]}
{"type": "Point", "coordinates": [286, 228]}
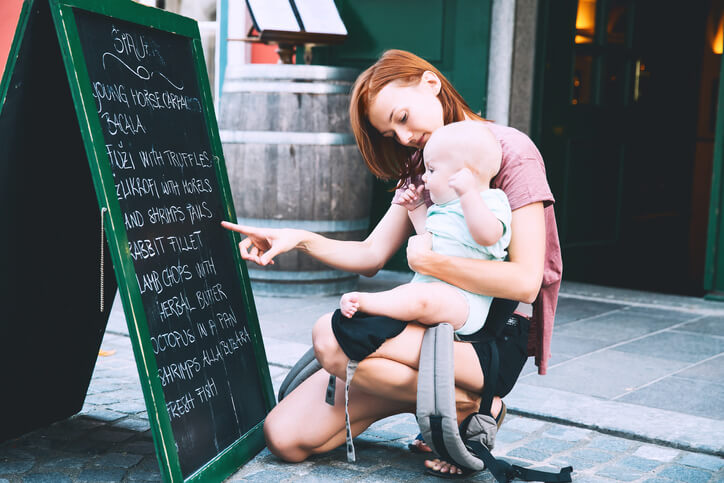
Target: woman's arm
{"type": "Point", "coordinates": [365, 257]}
{"type": "Point", "coordinates": [518, 279]}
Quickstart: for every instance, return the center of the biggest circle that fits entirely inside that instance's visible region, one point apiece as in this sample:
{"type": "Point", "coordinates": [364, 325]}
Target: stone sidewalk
{"type": "Point", "coordinates": [593, 423]}
{"type": "Point", "coordinates": [635, 364]}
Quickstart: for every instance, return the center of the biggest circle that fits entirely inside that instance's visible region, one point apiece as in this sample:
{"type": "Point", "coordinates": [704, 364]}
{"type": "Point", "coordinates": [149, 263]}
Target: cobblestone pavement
{"type": "Point", "coordinates": [110, 441]}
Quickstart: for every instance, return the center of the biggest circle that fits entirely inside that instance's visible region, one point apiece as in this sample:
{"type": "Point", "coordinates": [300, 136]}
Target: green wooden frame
{"type": "Point", "coordinates": [714, 267]}
{"type": "Point", "coordinates": [230, 459]}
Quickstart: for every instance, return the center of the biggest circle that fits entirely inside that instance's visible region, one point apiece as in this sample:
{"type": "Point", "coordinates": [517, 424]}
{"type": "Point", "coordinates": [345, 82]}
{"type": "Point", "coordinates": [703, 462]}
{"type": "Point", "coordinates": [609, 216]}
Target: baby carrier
{"type": "Point", "coordinates": [466, 445]}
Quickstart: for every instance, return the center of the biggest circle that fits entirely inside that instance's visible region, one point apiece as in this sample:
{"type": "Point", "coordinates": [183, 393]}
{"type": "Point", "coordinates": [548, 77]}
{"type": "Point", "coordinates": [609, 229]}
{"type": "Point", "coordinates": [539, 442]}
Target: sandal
{"type": "Point", "coordinates": [501, 415]}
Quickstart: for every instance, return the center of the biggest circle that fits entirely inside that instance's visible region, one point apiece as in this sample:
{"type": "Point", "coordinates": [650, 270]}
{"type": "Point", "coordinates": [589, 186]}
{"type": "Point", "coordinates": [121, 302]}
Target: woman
{"type": "Point", "coordinates": [396, 104]}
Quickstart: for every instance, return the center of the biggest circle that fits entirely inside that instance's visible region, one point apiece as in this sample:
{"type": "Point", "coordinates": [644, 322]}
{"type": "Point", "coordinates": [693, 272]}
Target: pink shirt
{"type": "Point", "coordinates": [522, 177]}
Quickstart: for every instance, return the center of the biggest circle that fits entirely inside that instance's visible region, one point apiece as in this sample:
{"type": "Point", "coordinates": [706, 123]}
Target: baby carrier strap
{"type": "Point", "coordinates": [302, 370]}
{"type": "Point", "coordinates": [469, 445]}
{"type": "Point", "coordinates": [436, 413]}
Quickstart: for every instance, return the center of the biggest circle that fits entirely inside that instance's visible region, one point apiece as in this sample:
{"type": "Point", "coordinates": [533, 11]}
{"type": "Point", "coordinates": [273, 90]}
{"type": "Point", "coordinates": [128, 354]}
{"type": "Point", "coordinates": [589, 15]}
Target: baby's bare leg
{"type": "Point", "coordinates": [427, 303]}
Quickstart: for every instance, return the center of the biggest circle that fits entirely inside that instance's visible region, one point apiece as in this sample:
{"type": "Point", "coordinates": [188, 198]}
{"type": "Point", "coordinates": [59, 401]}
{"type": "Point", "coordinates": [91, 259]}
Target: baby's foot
{"type": "Point", "coordinates": [348, 304]}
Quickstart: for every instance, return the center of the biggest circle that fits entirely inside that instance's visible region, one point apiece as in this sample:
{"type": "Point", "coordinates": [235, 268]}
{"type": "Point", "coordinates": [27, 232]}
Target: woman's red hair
{"type": "Point", "coordinates": [386, 158]}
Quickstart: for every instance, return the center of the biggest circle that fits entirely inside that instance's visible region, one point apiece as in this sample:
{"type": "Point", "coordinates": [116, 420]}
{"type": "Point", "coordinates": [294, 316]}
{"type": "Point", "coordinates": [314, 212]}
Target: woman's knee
{"type": "Point", "coordinates": [326, 348]}
{"type": "Point", "coordinates": [280, 440]}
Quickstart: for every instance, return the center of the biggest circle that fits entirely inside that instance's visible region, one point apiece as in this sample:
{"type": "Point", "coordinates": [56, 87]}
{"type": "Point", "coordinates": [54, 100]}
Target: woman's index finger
{"type": "Point", "coordinates": [235, 227]}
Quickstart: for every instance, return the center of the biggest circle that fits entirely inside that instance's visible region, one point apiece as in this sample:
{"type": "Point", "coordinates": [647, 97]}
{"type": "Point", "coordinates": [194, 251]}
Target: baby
{"type": "Point", "coordinates": [468, 219]}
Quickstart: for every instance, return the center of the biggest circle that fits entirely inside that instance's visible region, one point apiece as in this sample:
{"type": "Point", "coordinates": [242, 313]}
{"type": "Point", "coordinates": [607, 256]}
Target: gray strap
{"type": "Point", "coordinates": [351, 368]}
{"type": "Point", "coordinates": [302, 370]}
{"type": "Point", "coordinates": [436, 411]}
{"type": "Point", "coordinates": [331, 389]}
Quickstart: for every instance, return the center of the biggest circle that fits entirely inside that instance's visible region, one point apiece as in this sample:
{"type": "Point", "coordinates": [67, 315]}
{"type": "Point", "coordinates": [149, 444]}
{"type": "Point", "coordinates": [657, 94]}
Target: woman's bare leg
{"type": "Point", "coordinates": [287, 431]}
{"type": "Point", "coordinates": [392, 370]}
{"type": "Point", "coordinates": [403, 349]}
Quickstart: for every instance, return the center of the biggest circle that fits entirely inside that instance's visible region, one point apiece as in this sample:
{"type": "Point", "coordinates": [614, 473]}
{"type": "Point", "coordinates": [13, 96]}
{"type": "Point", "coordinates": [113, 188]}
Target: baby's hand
{"type": "Point", "coordinates": [349, 304]}
{"type": "Point", "coordinates": [462, 181]}
{"type": "Point", "coordinates": [412, 197]}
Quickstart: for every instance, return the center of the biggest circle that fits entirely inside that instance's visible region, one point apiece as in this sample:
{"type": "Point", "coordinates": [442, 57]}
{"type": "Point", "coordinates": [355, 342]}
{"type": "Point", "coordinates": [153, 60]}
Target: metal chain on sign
{"type": "Point", "coordinates": [103, 212]}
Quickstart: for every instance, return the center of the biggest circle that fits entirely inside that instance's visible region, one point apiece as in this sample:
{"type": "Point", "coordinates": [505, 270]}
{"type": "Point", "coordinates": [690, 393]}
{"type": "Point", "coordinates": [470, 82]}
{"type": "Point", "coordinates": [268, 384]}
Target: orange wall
{"type": "Point", "coordinates": [9, 13]}
{"type": "Point", "coordinates": [264, 54]}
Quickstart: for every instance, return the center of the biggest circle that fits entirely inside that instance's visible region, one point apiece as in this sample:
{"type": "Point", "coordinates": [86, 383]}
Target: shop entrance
{"type": "Point", "coordinates": [625, 122]}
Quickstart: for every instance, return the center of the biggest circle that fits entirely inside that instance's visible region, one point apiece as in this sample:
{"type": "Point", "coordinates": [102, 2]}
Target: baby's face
{"type": "Point", "coordinates": [439, 166]}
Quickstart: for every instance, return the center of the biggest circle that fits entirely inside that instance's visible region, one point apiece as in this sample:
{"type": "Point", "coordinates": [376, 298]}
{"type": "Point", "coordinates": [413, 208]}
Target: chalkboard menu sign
{"type": "Point", "coordinates": [141, 96]}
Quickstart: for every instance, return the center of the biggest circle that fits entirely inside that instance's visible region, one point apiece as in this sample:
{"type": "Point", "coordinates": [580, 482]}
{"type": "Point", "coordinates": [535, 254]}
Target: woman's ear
{"type": "Point", "coordinates": [432, 81]}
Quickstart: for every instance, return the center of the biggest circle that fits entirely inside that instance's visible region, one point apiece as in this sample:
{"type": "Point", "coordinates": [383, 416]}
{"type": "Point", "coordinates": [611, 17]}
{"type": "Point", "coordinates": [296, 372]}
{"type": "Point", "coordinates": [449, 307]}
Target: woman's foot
{"type": "Point", "coordinates": [444, 469]}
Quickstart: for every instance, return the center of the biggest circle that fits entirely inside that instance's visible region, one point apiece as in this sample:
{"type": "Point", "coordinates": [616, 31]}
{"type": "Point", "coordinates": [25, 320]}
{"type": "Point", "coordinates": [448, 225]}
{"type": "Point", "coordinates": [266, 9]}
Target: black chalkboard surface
{"type": "Point", "coordinates": [143, 110]}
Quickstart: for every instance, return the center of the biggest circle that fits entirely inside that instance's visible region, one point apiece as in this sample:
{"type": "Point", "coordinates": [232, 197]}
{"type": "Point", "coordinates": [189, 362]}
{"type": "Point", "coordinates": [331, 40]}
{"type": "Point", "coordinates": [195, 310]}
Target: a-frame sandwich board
{"type": "Point", "coordinates": [107, 125]}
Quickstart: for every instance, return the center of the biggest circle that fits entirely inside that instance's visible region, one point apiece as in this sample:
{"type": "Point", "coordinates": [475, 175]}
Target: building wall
{"type": "Point", "coordinates": [502, 34]}
{"type": "Point", "coordinates": [523, 65]}
{"type": "Point", "coordinates": [512, 63]}
{"type": "Point", "coordinates": [9, 13]}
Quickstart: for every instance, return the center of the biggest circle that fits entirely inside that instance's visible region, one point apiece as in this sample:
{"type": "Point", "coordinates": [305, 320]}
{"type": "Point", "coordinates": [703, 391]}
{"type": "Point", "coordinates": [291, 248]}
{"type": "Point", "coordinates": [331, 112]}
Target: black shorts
{"type": "Point", "coordinates": [363, 334]}
{"type": "Point", "coordinates": [512, 351]}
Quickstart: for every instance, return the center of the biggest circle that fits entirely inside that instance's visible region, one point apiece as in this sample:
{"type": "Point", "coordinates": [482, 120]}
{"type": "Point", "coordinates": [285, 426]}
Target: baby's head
{"type": "Point", "coordinates": [458, 145]}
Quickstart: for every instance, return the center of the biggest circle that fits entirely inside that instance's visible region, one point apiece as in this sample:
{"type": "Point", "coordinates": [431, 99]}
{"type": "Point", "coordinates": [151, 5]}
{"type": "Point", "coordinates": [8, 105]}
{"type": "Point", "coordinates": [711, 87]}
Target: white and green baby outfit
{"type": "Point", "coordinates": [451, 236]}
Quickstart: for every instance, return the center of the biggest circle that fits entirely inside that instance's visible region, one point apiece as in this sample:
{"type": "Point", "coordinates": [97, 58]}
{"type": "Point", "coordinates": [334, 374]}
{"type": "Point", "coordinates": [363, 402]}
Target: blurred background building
{"type": "Point", "coordinates": [621, 96]}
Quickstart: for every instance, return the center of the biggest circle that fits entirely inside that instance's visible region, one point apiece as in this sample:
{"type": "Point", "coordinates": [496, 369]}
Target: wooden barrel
{"type": "Point", "coordinates": [293, 162]}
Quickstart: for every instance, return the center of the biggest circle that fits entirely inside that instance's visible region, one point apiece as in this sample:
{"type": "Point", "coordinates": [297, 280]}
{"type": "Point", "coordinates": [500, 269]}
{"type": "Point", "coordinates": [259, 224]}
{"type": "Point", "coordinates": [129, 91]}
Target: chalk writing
{"type": "Point", "coordinates": [122, 123]}
{"type": "Point", "coordinates": [119, 158]}
{"type": "Point", "coordinates": [138, 187]}
{"type": "Point", "coordinates": [205, 267]}
{"type": "Point", "coordinates": [221, 321]}
{"type": "Point", "coordinates": [133, 219]}
{"type": "Point", "coordinates": [185, 243]}
{"type": "Point", "coordinates": [180, 406]}
{"type": "Point", "coordinates": [207, 297]}
{"type": "Point", "coordinates": [207, 391]}
{"type": "Point", "coordinates": [168, 277]}
{"type": "Point", "coordinates": [151, 158]}
{"type": "Point", "coordinates": [198, 211]}
{"type": "Point", "coordinates": [164, 215]}
{"type": "Point", "coordinates": [173, 339]}
{"type": "Point", "coordinates": [196, 186]}
{"type": "Point", "coordinates": [163, 100]}
{"type": "Point", "coordinates": [225, 348]}
{"type": "Point", "coordinates": [175, 306]}
{"type": "Point", "coordinates": [144, 249]}
{"type": "Point", "coordinates": [109, 92]}
{"type": "Point", "coordinates": [179, 371]}
{"type": "Point", "coordinates": [164, 176]}
{"type": "Point", "coordinates": [187, 160]}
{"type": "Point", "coordinates": [141, 72]}
{"type": "Point", "coordinates": [129, 44]}
{"type": "Point", "coordinates": [170, 187]}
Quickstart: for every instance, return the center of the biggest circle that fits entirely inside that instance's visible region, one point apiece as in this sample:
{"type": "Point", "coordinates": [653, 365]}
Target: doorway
{"type": "Point", "coordinates": [626, 129]}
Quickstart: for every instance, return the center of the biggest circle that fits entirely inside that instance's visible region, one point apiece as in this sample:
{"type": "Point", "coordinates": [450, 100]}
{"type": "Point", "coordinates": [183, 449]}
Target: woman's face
{"type": "Point", "coordinates": [408, 113]}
